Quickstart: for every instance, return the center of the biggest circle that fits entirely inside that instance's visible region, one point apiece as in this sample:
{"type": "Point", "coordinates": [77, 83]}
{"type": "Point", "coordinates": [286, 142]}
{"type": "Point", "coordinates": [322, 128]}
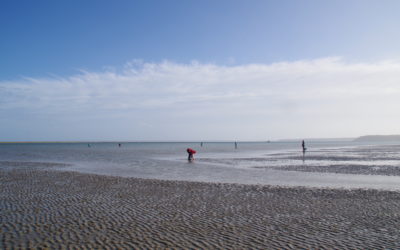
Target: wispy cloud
{"type": "Point", "coordinates": [323, 97]}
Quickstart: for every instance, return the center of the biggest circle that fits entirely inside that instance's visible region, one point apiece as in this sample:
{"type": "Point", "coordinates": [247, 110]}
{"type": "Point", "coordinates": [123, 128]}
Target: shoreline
{"type": "Point", "coordinates": [54, 209]}
{"type": "Point", "coordinates": [277, 186]}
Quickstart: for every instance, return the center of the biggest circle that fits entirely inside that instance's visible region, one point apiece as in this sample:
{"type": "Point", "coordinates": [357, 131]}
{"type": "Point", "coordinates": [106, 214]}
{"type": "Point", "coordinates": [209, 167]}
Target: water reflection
{"type": "Point", "coordinates": [329, 165]}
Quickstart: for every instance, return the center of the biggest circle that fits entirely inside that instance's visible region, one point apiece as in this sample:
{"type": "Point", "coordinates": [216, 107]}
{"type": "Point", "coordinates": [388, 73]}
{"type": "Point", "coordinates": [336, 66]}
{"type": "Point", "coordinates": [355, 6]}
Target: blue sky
{"type": "Point", "coordinates": [124, 70]}
{"type": "Point", "coordinates": [59, 37]}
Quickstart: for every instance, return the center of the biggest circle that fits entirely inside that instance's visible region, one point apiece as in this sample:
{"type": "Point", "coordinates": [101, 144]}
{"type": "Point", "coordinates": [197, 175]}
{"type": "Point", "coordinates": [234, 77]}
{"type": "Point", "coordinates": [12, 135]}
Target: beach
{"type": "Point", "coordinates": [45, 208]}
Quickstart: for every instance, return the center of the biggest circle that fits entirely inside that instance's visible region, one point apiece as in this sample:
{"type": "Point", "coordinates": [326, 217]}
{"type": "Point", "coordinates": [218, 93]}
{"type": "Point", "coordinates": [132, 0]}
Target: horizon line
{"type": "Point", "coordinates": [174, 141]}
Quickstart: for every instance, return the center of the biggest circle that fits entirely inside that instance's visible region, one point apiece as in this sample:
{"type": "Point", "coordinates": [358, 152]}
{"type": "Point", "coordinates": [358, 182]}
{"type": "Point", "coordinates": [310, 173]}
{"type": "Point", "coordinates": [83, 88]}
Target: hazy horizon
{"type": "Point", "coordinates": [198, 141]}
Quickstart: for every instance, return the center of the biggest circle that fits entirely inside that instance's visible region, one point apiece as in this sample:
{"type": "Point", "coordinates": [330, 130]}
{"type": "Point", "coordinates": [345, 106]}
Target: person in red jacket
{"type": "Point", "coordinates": [190, 152]}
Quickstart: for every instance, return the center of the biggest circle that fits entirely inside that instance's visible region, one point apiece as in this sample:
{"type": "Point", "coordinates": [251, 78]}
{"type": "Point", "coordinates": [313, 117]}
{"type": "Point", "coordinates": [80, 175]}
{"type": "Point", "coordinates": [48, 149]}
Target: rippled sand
{"type": "Point", "coordinates": [42, 208]}
{"type": "Point", "coordinates": [345, 169]}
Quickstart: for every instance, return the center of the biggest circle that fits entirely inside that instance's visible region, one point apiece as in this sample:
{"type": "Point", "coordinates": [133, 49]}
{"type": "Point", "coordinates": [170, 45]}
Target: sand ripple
{"type": "Point", "coordinates": [387, 170]}
{"type": "Point", "coordinates": [53, 209]}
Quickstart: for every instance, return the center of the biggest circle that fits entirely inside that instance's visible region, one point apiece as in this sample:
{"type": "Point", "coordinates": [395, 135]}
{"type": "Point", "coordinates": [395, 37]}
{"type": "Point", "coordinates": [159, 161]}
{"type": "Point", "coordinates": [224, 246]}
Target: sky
{"type": "Point", "coordinates": [178, 70]}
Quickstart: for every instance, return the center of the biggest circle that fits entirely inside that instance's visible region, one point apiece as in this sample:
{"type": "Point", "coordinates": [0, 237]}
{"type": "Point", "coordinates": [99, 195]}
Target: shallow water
{"type": "Point", "coordinates": [337, 164]}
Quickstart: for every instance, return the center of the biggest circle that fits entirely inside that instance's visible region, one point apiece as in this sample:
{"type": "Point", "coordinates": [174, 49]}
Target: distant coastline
{"type": "Point", "coordinates": [376, 138]}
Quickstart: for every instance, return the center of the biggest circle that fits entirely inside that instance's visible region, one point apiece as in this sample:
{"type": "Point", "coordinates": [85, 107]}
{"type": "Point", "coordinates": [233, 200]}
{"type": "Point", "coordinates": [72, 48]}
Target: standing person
{"type": "Point", "coordinates": [303, 145]}
{"type": "Point", "coordinates": [190, 152]}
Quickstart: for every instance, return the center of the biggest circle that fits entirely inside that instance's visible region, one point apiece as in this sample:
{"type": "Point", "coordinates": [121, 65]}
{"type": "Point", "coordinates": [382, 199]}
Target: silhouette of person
{"type": "Point", "coordinates": [303, 145]}
{"type": "Point", "coordinates": [236, 145]}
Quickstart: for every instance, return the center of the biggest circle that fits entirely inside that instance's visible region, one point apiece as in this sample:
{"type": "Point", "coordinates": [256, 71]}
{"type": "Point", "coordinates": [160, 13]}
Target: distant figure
{"type": "Point", "coordinates": [201, 144]}
{"type": "Point", "coordinates": [119, 144]}
{"type": "Point", "coordinates": [190, 152]}
{"type": "Point", "coordinates": [235, 145]}
{"type": "Point", "coordinates": [303, 145]}
{"type": "Point", "coordinates": [88, 145]}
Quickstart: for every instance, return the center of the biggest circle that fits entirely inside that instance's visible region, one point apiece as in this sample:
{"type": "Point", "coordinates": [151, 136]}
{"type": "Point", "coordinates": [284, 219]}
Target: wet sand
{"type": "Point", "coordinates": [43, 208]}
{"type": "Point", "coordinates": [345, 169]}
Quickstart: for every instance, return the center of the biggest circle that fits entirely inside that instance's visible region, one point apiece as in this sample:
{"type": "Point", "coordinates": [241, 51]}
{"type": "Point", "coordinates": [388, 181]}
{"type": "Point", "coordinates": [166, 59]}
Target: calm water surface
{"type": "Point", "coordinates": [337, 164]}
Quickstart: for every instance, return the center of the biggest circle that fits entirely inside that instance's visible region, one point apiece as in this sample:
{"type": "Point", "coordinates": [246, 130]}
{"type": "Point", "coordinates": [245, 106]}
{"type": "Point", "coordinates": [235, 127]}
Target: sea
{"type": "Point", "coordinates": [325, 164]}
